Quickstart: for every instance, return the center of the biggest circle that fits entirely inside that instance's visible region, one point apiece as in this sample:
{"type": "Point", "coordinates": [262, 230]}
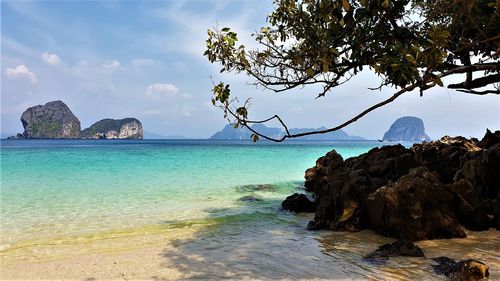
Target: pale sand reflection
{"type": "Point", "coordinates": [259, 249]}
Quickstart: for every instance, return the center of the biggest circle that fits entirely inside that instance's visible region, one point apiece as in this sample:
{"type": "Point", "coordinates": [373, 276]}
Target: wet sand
{"type": "Point", "coordinates": [257, 250]}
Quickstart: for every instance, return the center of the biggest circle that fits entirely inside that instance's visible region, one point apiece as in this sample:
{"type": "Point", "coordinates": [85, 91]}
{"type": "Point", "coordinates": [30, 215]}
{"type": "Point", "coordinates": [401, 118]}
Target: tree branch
{"type": "Point", "coordinates": [477, 83]}
{"type": "Point", "coordinates": [481, 93]}
{"type": "Point", "coordinates": [290, 136]}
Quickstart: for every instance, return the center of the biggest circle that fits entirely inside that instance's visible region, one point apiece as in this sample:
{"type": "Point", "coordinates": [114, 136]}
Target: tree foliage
{"type": "Point", "coordinates": [410, 45]}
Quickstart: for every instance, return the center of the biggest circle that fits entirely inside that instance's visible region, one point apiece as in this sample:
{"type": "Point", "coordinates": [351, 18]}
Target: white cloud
{"type": "Point", "coordinates": [112, 64]}
{"type": "Point", "coordinates": [20, 71]}
{"type": "Point", "coordinates": [156, 90]}
{"type": "Point", "coordinates": [51, 59]}
{"type": "Point", "coordinates": [139, 62]}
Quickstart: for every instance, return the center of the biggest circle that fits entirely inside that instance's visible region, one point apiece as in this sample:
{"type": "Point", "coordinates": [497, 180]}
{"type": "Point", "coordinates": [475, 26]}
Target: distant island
{"type": "Point", "coordinates": [128, 128]}
{"type": "Point", "coordinates": [54, 120]}
{"type": "Point", "coordinates": [231, 133]}
{"type": "Point", "coordinates": [408, 128]}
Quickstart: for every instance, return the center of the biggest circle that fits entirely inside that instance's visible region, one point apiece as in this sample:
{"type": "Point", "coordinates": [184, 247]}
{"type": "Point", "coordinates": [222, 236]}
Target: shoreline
{"type": "Point", "coordinates": [255, 250]}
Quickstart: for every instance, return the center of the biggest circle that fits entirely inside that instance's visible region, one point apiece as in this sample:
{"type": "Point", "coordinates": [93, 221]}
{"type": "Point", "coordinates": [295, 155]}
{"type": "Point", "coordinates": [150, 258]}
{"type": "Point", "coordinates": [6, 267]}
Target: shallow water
{"type": "Point", "coordinates": [63, 198]}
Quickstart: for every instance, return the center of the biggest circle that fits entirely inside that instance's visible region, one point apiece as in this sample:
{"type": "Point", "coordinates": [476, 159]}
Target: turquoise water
{"type": "Point", "coordinates": [64, 199]}
{"type": "Point", "coordinates": [66, 188]}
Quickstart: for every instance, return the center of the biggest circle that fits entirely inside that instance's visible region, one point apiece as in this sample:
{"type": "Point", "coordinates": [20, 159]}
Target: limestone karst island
{"type": "Point", "coordinates": [250, 140]}
{"type": "Point", "coordinates": [54, 120]}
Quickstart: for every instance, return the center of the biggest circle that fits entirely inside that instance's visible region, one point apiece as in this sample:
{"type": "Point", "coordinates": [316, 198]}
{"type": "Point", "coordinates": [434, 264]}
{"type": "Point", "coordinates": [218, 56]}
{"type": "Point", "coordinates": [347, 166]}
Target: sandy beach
{"type": "Point", "coordinates": [259, 251]}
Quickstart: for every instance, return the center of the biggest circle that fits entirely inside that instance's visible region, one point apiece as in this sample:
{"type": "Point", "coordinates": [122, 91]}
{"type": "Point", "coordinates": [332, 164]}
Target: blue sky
{"type": "Point", "coordinates": [116, 59]}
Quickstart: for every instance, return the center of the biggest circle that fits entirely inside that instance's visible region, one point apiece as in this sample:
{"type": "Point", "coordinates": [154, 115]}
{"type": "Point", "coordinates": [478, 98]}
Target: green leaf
{"type": "Point", "coordinates": [326, 67]}
{"type": "Point", "coordinates": [225, 29]}
{"type": "Point", "coordinates": [310, 72]}
{"type": "Point", "coordinates": [236, 125]}
{"type": "Point", "coordinates": [410, 59]}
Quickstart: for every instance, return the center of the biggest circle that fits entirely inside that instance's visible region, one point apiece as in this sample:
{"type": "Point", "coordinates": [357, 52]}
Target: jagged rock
{"type": "Point", "coordinates": [415, 207]}
{"type": "Point", "coordinates": [444, 156]}
{"type": "Point", "coordinates": [465, 270]}
{"type": "Point", "coordinates": [470, 209]}
{"type": "Point", "coordinates": [431, 190]}
{"type": "Point", "coordinates": [407, 128]}
{"type": "Point", "coordinates": [54, 120]}
{"type": "Point", "coordinates": [490, 139]}
{"type": "Point", "coordinates": [342, 186]}
{"type": "Point", "coordinates": [298, 203]}
{"type": "Point", "coordinates": [395, 249]}
{"type": "Point", "coordinates": [128, 128]}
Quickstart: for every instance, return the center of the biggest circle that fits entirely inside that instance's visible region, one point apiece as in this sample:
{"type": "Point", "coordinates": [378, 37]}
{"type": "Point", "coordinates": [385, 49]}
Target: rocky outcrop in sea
{"type": "Point", "coordinates": [432, 190]}
{"type": "Point", "coordinates": [128, 128]}
{"type": "Point", "coordinates": [408, 128]}
{"type": "Point", "coordinates": [54, 120]}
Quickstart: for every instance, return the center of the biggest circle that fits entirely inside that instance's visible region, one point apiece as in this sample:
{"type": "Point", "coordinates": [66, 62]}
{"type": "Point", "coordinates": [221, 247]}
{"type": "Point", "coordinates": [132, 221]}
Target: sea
{"type": "Point", "coordinates": [216, 199]}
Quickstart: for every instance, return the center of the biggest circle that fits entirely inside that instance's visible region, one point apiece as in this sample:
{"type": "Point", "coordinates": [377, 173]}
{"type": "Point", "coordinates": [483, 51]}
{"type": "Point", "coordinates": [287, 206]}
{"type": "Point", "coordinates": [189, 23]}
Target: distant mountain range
{"type": "Point", "coordinates": [151, 135]}
{"type": "Point", "coordinates": [230, 133]}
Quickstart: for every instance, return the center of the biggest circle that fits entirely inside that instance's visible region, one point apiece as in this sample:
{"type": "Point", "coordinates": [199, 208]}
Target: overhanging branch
{"type": "Point", "coordinates": [245, 123]}
{"type": "Point", "coordinates": [477, 83]}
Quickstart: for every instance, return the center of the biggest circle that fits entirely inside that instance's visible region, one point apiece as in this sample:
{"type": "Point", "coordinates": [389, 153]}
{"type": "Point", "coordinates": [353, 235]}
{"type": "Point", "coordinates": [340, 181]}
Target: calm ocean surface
{"type": "Point", "coordinates": [63, 188]}
{"type": "Point", "coordinates": [62, 197]}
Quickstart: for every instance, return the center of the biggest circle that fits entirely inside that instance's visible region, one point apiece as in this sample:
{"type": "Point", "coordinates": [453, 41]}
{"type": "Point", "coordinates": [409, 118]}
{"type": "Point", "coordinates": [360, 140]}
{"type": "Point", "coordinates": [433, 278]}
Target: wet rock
{"type": "Point", "coordinates": [342, 187]}
{"type": "Point", "coordinates": [429, 191]}
{"type": "Point", "coordinates": [416, 207]}
{"type": "Point", "coordinates": [465, 270]}
{"type": "Point", "coordinates": [398, 248]}
{"type": "Point", "coordinates": [249, 199]}
{"type": "Point", "coordinates": [298, 203]}
{"type": "Point", "coordinates": [470, 209]}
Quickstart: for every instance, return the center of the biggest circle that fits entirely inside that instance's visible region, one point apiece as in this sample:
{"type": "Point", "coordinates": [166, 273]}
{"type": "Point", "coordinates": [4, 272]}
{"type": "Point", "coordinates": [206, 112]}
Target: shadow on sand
{"type": "Point", "coordinates": [266, 243]}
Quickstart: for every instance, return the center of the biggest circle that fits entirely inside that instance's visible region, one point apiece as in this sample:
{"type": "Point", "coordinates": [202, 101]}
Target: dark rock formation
{"type": "Point", "coordinates": [298, 203]}
{"type": "Point", "coordinates": [415, 207]}
{"type": "Point", "coordinates": [407, 128]}
{"type": "Point", "coordinates": [465, 270]}
{"type": "Point", "coordinates": [249, 199]}
{"type": "Point", "coordinates": [54, 120]}
{"type": "Point", "coordinates": [398, 248]}
{"type": "Point", "coordinates": [431, 190]}
{"type": "Point", "coordinates": [128, 128]}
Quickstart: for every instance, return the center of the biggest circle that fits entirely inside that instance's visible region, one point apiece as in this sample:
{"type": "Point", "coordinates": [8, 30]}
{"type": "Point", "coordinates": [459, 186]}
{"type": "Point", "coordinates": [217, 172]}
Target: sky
{"type": "Point", "coordinates": [117, 59]}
